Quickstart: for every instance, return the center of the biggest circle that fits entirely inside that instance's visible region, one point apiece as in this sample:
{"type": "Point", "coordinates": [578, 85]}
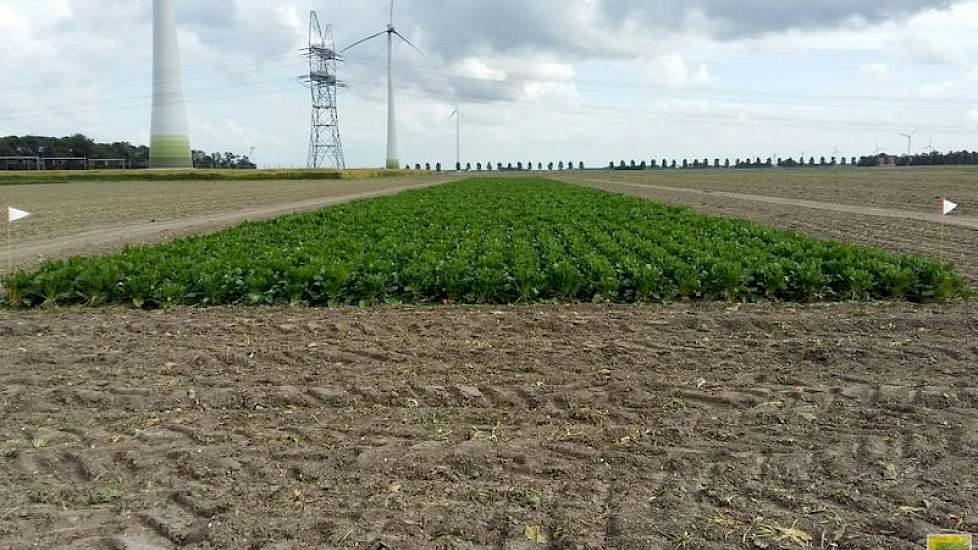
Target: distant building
{"type": "Point", "coordinates": [888, 161]}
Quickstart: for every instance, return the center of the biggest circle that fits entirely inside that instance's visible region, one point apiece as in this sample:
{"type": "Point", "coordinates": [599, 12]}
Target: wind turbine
{"type": "Point", "coordinates": [878, 150]}
{"type": "Point", "coordinates": [930, 147]}
{"type": "Point", "coordinates": [458, 134]}
{"type": "Point", "coordinates": [392, 161]}
{"type": "Point", "coordinates": [910, 141]}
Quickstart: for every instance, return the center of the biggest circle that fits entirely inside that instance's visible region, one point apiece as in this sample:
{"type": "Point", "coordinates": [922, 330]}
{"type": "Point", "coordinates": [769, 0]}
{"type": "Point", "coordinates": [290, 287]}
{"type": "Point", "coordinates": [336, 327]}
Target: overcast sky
{"type": "Point", "coordinates": [540, 80]}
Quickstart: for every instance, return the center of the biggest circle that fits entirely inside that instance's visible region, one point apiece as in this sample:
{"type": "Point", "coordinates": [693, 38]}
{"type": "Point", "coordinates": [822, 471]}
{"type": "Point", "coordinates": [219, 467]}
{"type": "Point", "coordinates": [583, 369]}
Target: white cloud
{"type": "Point", "coordinates": [876, 71]}
{"type": "Point", "coordinates": [671, 71]}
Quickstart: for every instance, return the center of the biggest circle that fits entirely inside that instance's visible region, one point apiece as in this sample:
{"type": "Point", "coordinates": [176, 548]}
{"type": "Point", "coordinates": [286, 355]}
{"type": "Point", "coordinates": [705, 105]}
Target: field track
{"type": "Point", "coordinates": [969, 222]}
{"type": "Point", "coordinates": [480, 428]}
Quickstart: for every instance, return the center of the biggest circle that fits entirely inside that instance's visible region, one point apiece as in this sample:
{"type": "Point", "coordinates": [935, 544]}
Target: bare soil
{"type": "Point", "coordinates": [584, 427]}
{"type": "Point", "coordinates": [93, 217]}
{"type": "Point", "coordinates": [918, 189]}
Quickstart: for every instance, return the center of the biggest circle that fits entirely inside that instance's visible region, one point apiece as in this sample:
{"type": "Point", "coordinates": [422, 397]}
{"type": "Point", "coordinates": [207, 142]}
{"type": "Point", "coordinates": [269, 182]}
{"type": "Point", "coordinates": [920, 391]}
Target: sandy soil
{"type": "Point", "coordinates": [681, 427]}
{"type": "Point", "coordinates": [83, 217]}
{"type": "Point", "coordinates": [904, 231]}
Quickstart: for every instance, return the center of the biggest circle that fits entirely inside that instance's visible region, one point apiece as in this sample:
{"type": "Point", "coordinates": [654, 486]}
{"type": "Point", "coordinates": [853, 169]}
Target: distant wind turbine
{"type": "Point", "coordinates": [878, 149]}
{"type": "Point", "coordinates": [910, 141]}
{"type": "Point", "coordinates": [930, 146]}
{"type": "Point", "coordinates": [457, 115]}
{"type": "Point", "coordinates": [392, 158]}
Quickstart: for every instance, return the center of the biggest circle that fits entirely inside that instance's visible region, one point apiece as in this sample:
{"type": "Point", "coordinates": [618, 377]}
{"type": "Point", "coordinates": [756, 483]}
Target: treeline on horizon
{"type": "Point", "coordinates": [953, 158]}
{"type": "Point", "coordinates": [79, 146]}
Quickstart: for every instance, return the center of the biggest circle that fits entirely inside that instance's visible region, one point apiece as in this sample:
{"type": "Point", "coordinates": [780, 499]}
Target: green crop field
{"type": "Point", "coordinates": [67, 176]}
{"type": "Point", "coordinates": [489, 241]}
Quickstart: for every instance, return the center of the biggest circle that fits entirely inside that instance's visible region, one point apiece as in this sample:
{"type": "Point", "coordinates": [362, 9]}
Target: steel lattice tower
{"type": "Point", "coordinates": [325, 145]}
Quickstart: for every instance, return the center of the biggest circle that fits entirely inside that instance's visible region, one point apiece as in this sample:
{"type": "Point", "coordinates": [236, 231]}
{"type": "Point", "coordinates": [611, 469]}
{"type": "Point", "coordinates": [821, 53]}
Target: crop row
{"type": "Point", "coordinates": [489, 241]}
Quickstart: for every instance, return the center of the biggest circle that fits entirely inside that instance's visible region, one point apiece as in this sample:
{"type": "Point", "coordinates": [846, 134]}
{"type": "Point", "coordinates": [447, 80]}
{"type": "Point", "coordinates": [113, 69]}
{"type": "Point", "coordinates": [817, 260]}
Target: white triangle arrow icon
{"type": "Point", "coordinates": [949, 207]}
{"type": "Point", "coordinates": [14, 214]}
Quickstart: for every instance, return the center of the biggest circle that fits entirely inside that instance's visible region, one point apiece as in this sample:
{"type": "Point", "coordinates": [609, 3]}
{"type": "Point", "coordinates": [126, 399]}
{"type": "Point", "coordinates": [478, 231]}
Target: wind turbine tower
{"type": "Point", "coordinates": [324, 134]}
{"type": "Point", "coordinates": [393, 163]}
{"type": "Point", "coordinates": [910, 141]}
{"type": "Point", "coordinates": [170, 141]}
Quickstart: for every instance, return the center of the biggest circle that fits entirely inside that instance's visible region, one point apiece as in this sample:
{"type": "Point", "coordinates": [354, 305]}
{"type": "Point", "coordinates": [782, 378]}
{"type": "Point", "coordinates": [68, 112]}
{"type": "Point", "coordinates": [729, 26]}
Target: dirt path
{"type": "Point", "coordinates": [587, 427]}
{"type": "Point", "coordinates": [970, 222]}
{"type": "Point", "coordinates": [105, 239]}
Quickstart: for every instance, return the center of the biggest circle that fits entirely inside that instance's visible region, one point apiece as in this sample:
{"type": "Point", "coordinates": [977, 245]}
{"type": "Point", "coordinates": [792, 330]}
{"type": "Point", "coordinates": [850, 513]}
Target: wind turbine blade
{"type": "Point", "coordinates": [392, 13]}
{"type": "Point", "coordinates": [399, 35]}
{"type": "Point", "coordinates": [367, 39]}
{"type": "Point", "coordinates": [451, 116]}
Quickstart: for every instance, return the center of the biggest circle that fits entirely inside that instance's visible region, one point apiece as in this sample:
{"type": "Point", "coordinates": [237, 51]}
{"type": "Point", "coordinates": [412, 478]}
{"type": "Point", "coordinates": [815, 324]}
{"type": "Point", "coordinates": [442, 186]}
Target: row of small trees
{"type": "Point", "coordinates": [500, 167]}
{"type": "Point", "coordinates": [935, 158]}
{"type": "Point", "coordinates": [698, 164]}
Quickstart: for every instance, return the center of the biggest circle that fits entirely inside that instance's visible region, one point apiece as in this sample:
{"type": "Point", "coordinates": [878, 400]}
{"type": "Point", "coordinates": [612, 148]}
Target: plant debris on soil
{"type": "Point", "coordinates": [585, 427]}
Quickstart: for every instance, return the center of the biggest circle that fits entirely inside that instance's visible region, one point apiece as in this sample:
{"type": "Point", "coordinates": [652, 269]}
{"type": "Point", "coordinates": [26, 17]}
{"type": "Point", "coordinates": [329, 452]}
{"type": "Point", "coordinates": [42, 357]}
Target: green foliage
{"type": "Point", "coordinates": [68, 176]}
{"type": "Point", "coordinates": [489, 241]}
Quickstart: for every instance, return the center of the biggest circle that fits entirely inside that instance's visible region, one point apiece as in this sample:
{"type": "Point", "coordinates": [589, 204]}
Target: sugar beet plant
{"type": "Point", "coordinates": [489, 241]}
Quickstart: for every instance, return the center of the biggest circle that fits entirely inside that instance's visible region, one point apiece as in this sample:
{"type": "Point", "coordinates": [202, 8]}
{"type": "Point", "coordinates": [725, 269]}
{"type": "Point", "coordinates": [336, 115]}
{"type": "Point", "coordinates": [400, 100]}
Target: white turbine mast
{"type": "Point", "coordinates": [910, 141]}
{"type": "Point", "coordinates": [457, 115]}
{"type": "Point", "coordinates": [169, 139]}
{"type": "Point", "coordinates": [393, 162]}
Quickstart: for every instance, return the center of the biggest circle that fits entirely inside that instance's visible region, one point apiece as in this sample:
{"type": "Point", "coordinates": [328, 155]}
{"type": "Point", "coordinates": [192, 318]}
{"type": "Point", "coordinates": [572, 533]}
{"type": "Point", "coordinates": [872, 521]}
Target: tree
{"type": "Point", "coordinates": [427, 166]}
{"type": "Point", "coordinates": [560, 165]}
{"type": "Point", "coordinates": [845, 161]}
{"type": "Point", "coordinates": [673, 164]}
{"type": "Point", "coordinates": [665, 164]}
{"type": "Point", "coordinates": [499, 166]}
{"type": "Point", "coordinates": [519, 166]}
{"type": "Point", "coordinates": [611, 165]}
{"type": "Point", "coordinates": [726, 163]}
{"type": "Point", "coordinates": [644, 166]}
{"type": "Point", "coordinates": [438, 167]}
{"type": "Point", "coordinates": [716, 163]}
{"type": "Point", "coordinates": [478, 167]}
{"type": "Point", "coordinates": [685, 164]}
{"type": "Point", "coordinates": [580, 166]}
{"type": "Point", "coordinates": [550, 166]}
{"type": "Point", "coordinates": [468, 166]}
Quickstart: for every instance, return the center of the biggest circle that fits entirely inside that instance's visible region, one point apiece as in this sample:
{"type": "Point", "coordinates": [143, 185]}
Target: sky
{"type": "Point", "coordinates": [535, 80]}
